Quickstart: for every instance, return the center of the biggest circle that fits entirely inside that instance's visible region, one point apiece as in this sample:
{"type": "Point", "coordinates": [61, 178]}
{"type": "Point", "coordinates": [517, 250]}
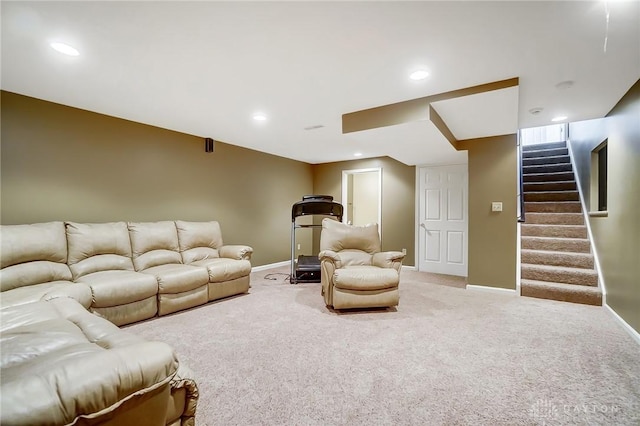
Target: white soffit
{"type": "Point", "coordinates": [413, 143]}
{"type": "Point", "coordinates": [485, 114]}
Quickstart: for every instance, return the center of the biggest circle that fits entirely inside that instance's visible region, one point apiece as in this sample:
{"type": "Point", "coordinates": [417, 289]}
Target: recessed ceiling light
{"type": "Point", "coordinates": [419, 75]}
{"type": "Point", "coordinates": [357, 154]}
{"type": "Point", "coordinates": [559, 118]}
{"type": "Point", "coordinates": [64, 48]}
{"type": "Point", "coordinates": [259, 116]}
{"type": "Point", "coordinates": [536, 110]}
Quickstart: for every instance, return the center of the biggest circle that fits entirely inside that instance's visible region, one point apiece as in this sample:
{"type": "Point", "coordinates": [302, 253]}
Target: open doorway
{"type": "Point", "coordinates": [362, 196]}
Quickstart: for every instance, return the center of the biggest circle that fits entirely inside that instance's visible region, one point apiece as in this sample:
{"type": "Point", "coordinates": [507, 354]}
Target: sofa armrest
{"type": "Point", "coordinates": [388, 259]}
{"type": "Point", "coordinates": [238, 252]}
{"type": "Point", "coordinates": [329, 262]}
{"type": "Point", "coordinates": [330, 256]}
{"type": "Point", "coordinates": [80, 292]}
{"type": "Point", "coordinates": [183, 386]}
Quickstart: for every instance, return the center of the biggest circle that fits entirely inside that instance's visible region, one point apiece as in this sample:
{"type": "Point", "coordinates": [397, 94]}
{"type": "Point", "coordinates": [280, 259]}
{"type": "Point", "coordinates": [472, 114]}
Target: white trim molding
{"type": "Point", "coordinates": [488, 289]}
{"type": "Point", "coordinates": [270, 266]}
{"type": "Point", "coordinates": [634, 334]}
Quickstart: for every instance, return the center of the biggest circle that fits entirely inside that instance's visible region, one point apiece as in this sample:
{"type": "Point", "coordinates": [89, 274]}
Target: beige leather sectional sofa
{"type": "Point", "coordinates": [65, 287]}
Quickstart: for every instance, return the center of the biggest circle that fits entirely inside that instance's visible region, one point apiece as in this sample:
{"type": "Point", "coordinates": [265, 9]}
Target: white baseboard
{"type": "Point", "coordinates": [634, 334]}
{"type": "Point", "coordinates": [487, 289]}
{"type": "Point", "coordinates": [409, 268]}
{"type": "Point", "coordinates": [270, 266]}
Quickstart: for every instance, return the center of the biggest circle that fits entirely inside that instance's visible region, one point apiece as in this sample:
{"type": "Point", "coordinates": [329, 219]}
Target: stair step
{"type": "Point", "coordinates": [545, 152]}
{"type": "Point", "coordinates": [556, 231]}
{"type": "Point", "coordinates": [546, 160]}
{"type": "Point", "coordinates": [543, 146]}
{"type": "Point", "coordinates": [548, 177]}
{"type": "Point", "coordinates": [552, 196]}
{"type": "Point", "coordinates": [555, 218]}
{"type": "Point", "coordinates": [563, 292]}
{"type": "Point", "coordinates": [555, 258]}
{"type": "Point", "coordinates": [547, 168]}
{"type": "Point", "coordinates": [558, 207]}
{"type": "Point", "coordinates": [574, 245]}
{"type": "Point", "coordinates": [561, 185]}
{"type": "Point", "coordinates": [559, 274]}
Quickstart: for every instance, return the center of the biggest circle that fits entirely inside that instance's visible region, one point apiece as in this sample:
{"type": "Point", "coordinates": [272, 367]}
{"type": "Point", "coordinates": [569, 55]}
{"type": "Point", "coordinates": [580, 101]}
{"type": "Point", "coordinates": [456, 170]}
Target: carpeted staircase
{"type": "Point", "coordinates": [556, 259]}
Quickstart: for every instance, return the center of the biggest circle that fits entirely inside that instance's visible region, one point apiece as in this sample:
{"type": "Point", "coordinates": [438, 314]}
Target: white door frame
{"type": "Point", "coordinates": [417, 211]}
{"type": "Point", "coordinates": [345, 183]}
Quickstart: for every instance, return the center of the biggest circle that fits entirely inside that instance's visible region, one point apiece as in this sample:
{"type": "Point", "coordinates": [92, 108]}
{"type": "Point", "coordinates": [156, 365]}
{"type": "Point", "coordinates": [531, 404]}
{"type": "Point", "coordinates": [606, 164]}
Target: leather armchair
{"type": "Point", "coordinates": [355, 273]}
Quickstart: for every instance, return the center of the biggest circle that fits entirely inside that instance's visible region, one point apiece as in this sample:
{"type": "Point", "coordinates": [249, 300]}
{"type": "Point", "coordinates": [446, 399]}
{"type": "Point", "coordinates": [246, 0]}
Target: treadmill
{"type": "Point", "coordinates": [306, 269]}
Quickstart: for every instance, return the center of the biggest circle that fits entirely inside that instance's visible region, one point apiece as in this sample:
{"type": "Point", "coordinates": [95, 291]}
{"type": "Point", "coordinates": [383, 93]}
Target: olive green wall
{"type": "Point", "coordinates": [492, 235]}
{"type": "Point", "coordinates": [398, 198]}
{"type": "Point", "coordinates": [62, 163]}
{"type": "Point", "coordinates": [617, 235]}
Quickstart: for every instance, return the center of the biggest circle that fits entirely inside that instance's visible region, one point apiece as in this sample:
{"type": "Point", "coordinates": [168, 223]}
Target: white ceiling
{"type": "Point", "coordinates": [204, 68]}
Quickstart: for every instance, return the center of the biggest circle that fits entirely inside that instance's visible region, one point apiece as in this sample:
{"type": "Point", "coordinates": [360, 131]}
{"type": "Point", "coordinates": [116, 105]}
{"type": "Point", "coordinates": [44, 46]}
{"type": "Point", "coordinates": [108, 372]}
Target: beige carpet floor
{"type": "Point", "coordinates": [445, 356]}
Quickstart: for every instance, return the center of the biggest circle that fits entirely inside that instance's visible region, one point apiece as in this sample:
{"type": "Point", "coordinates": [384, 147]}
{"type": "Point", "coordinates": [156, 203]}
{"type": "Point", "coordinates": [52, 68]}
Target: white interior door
{"type": "Point", "coordinates": [443, 219]}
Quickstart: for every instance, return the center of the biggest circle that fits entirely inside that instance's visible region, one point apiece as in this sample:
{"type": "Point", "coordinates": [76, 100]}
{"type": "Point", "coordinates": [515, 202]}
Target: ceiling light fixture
{"type": "Point", "coordinates": [259, 117]}
{"type": "Point", "coordinates": [314, 127]}
{"type": "Point", "coordinates": [559, 118]}
{"type": "Point", "coordinates": [419, 75]}
{"type": "Point", "coordinates": [64, 48]}
{"type": "Point", "coordinates": [357, 154]}
{"type": "Point", "coordinates": [536, 110]}
{"type": "Point", "coordinates": [564, 85]}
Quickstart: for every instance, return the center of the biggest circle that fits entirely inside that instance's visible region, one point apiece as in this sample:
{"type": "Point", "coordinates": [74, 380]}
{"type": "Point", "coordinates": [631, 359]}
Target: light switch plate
{"type": "Point", "coordinates": [496, 206]}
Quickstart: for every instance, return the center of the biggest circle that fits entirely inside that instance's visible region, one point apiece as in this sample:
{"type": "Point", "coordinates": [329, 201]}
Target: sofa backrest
{"type": "Point", "coordinates": [95, 247]}
{"type": "Point", "coordinates": [338, 236]}
{"type": "Point", "coordinates": [33, 254]}
{"type": "Point", "coordinates": [199, 240]}
{"type": "Point", "coordinates": [153, 244]}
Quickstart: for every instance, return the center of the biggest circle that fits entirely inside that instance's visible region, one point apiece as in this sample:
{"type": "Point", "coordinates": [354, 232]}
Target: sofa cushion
{"type": "Point", "coordinates": [33, 254]}
{"type": "Point", "coordinates": [199, 240]}
{"type": "Point", "coordinates": [153, 244]}
{"type": "Point", "coordinates": [112, 288]}
{"type": "Point", "coordinates": [60, 362]}
{"type": "Point", "coordinates": [223, 269]}
{"type": "Point", "coordinates": [351, 257]}
{"type": "Point", "coordinates": [47, 291]}
{"type": "Point", "coordinates": [365, 278]}
{"type": "Point", "coordinates": [95, 247]}
{"type": "Point", "coordinates": [339, 236]}
{"type": "Point", "coordinates": [31, 273]}
{"type": "Point", "coordinates": [178, 278]}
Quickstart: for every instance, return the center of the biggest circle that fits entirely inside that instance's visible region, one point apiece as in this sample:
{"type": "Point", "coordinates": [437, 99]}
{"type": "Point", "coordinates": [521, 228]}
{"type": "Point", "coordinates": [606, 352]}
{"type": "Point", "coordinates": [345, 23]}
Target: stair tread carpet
{"type": "Point", "coordinates": [553, 207]}
{"type": "Point", "coordinates": [542, 196]}
{"type": "Point", "coordinates": [547, 177]}
{"type": "Point", "coordinates": [557, 258]}
{"type": "Point", "coordinates": [580, 245]}
{"type": "Point", "coordinates": [556, 231]}
{"type": "Point", "coordinates": [530, 161]}
{"type": "Point", "coordinates": [559, 274]}
{"type": "Point", "coordinates": [555, 218]}
{"type": "Point", "coordinates": [547, 168]}
{"type": "Point", "coordinates": [543, 146]}
{"type": "Point", "coordinates": [563, 292]}
{"type": "Point", "coordinates": [551, 152]}
{"type": "Point", "coordinates": [559, 185]}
